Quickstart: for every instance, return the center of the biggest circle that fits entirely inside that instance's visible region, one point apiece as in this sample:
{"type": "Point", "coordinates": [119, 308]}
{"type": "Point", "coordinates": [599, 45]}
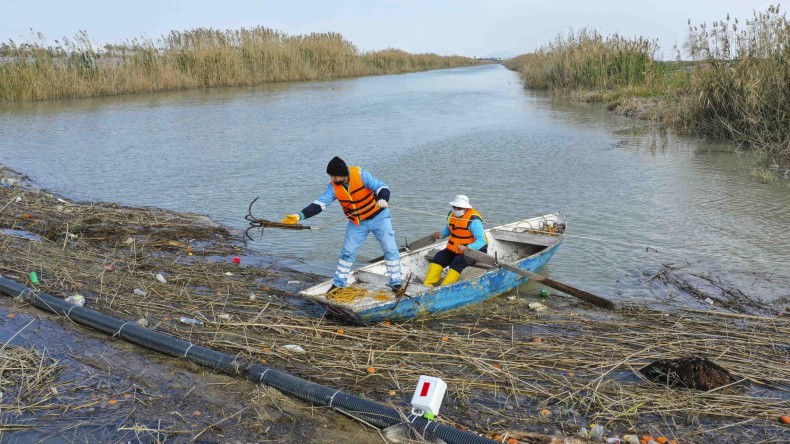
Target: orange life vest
{"type": "Point", "coordinates": [358, 202]}
{"type": "Point", "coordinates": [459, 229]}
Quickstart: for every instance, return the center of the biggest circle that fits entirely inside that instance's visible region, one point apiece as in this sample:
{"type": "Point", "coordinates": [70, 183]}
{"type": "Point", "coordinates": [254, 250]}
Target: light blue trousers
{"type": "Point", "coordinates": [381, 227]}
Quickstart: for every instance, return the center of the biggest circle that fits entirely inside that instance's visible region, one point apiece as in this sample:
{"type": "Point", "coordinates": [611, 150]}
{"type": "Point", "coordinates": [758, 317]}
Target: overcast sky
{"type": "Point", "coordinates": [464, 27]}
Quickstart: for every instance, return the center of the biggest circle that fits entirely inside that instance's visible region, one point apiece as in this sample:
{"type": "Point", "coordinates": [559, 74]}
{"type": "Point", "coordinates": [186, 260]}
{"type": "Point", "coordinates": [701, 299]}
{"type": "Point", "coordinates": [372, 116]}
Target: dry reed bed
{"type": "Point", "coordinates": [503, 362]}
{"type": "Point", "coordinates": [198, 58]}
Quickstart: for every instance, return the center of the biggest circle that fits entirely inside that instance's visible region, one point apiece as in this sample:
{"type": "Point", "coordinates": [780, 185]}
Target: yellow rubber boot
{"type": "Point", "coordinates": [451, 277]}
{"type": "Point", "coordinates": [434, 273]}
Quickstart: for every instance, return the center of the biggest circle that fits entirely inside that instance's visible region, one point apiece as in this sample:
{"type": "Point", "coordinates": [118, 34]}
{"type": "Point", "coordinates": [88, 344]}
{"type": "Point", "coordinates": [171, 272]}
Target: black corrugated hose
{"type": "Point", "coordinates": [371, 412]}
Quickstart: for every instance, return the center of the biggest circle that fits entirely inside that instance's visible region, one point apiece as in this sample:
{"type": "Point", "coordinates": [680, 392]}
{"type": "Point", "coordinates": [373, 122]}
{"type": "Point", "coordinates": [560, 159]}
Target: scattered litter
{"type": "Point", "coordinates": [224, 316]}
{"type": "Point", "coordinates": [189, 321]}
{"type": "Point", "coordinates": [139, 292]}
{"type": "Point", "coordinates": [108, 267]}
{"type": "Point", "coordinates": [236, 260]}
{"type": "Point", "coordinates": [293, 347]}
{"type": "Point", "coordinates": [596, 432]}
{"type": "Point", "coordinates": [59, 208]}
{"type": "Point", "coordinates": [228, 273]}
{"type": "Point", "coordinates": [293, 282]}
{"type": "Point", "coordinates": [34, 278]}
{"type": "Point", "coordinates": [77, 299]}
{"type": "Point", "coordinates": [18, 199]}
{"type": "Point", "coordinates": [9, 182]}
{"type": "Point", "coordinates": [142, 322]}
{"type": "Point", "coordinates": [62, 201]}
{"type": "Point", "coordinates": [511, 298]}
{"type": "Point", "coordinates": [709, 301]}
{"type": "Point", "coordinates": [129, 241]}
{"type": "Point", "coordinates": [161, 278]}
{"type": "Point", "coordinates": [252, 297]}
{"type": "Point", "coordinates": [613, 441]}
{"type": "Point", "coordinates": [543, 293]}
{"type": "Point", "coordinates": [631, 439]}
{"type": "Point", "coordinates": [537, 306]}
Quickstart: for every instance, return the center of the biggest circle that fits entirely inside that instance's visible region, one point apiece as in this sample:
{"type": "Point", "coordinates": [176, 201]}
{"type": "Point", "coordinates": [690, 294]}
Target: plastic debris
{"type": "Point", "coordinates": [224, 317]}
{"type": "Point", "coordinates": [709, 301]}
{"type": "Point", "coordinates": [537, 306]}
{"type": "Point", "coordinates": [139, 292]}
{"type": "Point", "coordinates": [34, 278]}
{"type": "Point", "coordinates": [142, 322]}
{"type": "Point", "coordinates": [293, 282]}
{"type": "Point", "coordinates": [236, 260]}
{"type": "Point", "coordinates": [544, 293]}
{"type": "Point", "coordinates": [613, 441]}
{"type": "Point", "coordinates": [108, 267]}
{"type": "Point", "coordinates": [228, 273]}
{"type": "Point", "coordinates": [161, 278]}
{"type": "Point", "coordinates": [129, 240]}
{"type": "Point", "coordinates": [252, 297]}
{"type": "Point", "coordinates": [77, 299]}
{"type": "Point", "coordinates": [9, 182]}
{"type": "Point", "coordinates": [293, 347]}
{"type": "Point", "coordinates": [631, 439]}
{"type": "Point", "coordinates": [596, 432]}
{"type": "Point", "coordinates": [583, 433]}
{"type": "Point", "coordinates": [189, 321]}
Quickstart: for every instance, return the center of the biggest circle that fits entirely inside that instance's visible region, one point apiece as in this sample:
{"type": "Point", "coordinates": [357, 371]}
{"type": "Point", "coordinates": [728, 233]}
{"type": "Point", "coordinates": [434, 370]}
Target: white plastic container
{"type": "Point", "coordinates": [428, 396]}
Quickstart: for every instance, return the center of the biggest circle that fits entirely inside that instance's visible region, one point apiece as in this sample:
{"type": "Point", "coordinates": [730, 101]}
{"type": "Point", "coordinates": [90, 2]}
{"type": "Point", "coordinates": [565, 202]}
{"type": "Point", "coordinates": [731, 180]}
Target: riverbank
{"type": "Point", "coordinates": [198, 58]}
{"type": "Point", "coordinates": [509, 369]}
{"type": "Point", "coordinates": [732, 89]}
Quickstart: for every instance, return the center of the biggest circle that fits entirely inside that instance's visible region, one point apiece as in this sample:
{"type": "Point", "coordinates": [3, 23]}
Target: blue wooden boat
{"type": "Point", "coordinates": [528, 244]}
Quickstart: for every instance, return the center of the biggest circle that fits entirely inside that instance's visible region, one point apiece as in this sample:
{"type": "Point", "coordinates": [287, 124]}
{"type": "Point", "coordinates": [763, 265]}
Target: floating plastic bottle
{"type": "Point", "coordinates": [189, 321]}
{"type": "Point", "coordinates": [161, 278]}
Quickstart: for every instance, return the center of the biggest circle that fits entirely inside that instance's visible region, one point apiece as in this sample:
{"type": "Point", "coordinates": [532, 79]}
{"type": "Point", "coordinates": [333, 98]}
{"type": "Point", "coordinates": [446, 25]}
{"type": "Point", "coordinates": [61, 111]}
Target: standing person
{"type": "Point", "coordinates": [465, 228]}
{"type": "Point", "coordinates": [364, 200]}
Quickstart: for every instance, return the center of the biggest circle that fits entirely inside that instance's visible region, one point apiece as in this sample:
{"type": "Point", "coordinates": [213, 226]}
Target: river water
{"type": "Point", "coordinates": [635, 198]}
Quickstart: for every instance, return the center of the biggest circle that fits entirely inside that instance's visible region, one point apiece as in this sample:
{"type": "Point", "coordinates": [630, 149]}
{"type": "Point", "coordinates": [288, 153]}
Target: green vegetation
{"type": "Point", "coordinates": [199, 58]}
{"type": "Point", "coordinates": [736, 87]}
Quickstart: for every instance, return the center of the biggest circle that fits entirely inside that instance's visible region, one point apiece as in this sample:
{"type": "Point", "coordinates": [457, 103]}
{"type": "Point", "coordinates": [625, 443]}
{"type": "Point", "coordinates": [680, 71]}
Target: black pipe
{"type": "Point", "coordinates": [371, 412]}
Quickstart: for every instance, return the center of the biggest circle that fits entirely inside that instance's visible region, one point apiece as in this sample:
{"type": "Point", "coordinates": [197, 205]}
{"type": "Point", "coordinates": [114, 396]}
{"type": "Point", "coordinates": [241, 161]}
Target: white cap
{"type": "Point", "coordinates": [460, 201]}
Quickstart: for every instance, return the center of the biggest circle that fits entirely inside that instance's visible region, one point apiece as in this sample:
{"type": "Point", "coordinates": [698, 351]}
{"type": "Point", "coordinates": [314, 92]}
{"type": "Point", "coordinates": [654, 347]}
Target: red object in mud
{"type": "Point", "coordinates": [236, 260]}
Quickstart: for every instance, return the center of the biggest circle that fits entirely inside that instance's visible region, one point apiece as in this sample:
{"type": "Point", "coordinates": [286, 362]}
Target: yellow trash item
{"type": "Point", "coordinates": [451, 277]}
{"type": "Point", "coordinates": [434, 273]}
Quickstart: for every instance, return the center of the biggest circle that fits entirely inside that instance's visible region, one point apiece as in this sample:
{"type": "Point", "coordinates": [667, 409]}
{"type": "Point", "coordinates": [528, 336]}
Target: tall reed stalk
{"type": "Point", "coordinates": [586, 59]}
{"type": "Point", "coordinates": [198, 58]}
{"type": "Point", "coordinates": [740, 89]}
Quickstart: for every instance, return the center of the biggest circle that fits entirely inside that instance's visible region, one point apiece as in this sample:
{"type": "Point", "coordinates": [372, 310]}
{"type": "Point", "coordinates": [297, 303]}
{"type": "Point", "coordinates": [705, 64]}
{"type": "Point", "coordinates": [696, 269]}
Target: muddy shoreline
{"type": "Point", "coordinates": [509, 369]}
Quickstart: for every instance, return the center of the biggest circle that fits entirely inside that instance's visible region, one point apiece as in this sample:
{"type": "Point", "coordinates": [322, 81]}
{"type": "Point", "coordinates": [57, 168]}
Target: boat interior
{"type": "Point", "coordinates": [509, 243]}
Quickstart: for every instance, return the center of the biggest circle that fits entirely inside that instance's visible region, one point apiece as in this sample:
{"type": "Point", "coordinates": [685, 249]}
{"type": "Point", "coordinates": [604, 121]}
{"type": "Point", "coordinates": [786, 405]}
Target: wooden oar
{"type": "Point", "coordinates": [475, 255]}
{"type": "Point", "coordinates": [419, 243]}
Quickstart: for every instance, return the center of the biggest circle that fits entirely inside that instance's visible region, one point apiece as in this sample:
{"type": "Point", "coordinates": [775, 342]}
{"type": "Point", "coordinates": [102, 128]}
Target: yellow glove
{"type": "Point", "coordinates": [291, 219]}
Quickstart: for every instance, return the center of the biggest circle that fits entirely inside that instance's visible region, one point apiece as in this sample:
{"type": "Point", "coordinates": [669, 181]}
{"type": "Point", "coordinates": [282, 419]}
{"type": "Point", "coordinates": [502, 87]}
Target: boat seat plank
{"type": "Point", "coordinates": [524, 237]}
